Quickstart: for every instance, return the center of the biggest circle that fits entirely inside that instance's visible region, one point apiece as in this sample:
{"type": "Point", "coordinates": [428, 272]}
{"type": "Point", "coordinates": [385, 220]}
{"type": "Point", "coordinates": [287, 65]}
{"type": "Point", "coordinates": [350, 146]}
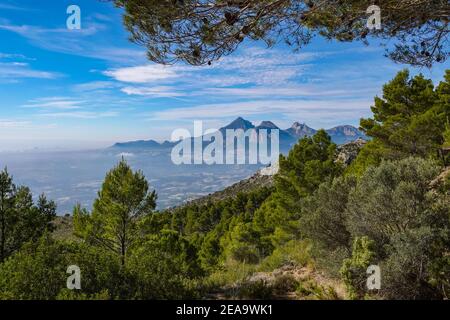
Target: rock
{"type": "Point", "coordinates": [348, 152]}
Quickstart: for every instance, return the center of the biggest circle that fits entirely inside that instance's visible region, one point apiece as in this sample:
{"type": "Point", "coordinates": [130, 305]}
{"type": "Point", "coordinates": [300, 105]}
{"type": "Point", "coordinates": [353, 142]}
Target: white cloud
{"type": "Point", "coordinates": [292, 109]}
{"type": "Point", "coordinates": [157, 92]}
{"type": "Point", "coordinates": [95, 85]}
{"type": "Point", "coordinates": [67, 107]}
{"type": "Point", "coordinates": [14, 56]}
{"type": "Point", "coordinates": [142, 74]}
{"type": "Point", "coordinates": [310, 91]}
{"type": "Point", "coordinates": [76, 42]}
{"type": "Point", "coordinates": [55, 103]}
{"type": "Point", "coordinates": [253, 68]}
{"type": "Point", "coordinates": [20, 70]}
{"type": "Point", "coordinates": [81, 114]}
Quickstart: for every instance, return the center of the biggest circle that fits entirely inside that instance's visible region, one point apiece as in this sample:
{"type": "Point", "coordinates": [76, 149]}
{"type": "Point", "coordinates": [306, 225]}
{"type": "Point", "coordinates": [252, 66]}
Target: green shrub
{"type": "Point", "coordinates": [284, 284]}
{"type": "Point", "coordinates": [310, 290]}
{"type": "Point", "coordinates": [38, 271]}
{"type": "Point", "coordinates": [254, 290]}
{"type": "Point", "coordinates": [354, 269]}
{"type": "Point", "coordinates": [294, 252]}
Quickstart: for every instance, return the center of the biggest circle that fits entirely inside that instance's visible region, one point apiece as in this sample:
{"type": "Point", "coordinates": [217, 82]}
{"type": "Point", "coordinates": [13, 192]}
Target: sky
{"type": "Point", "coordinates": [89, 88]}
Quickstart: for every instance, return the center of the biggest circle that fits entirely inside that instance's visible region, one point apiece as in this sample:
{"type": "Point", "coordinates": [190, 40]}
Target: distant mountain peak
{"type": "Point", "coordinates": [240, 123]}
{"type": "Point", "coordinates": [346, 133]}
{"type": "Point", "coordinates": [267, 125]}
{"type": "Point", "coordinates": [345, 129]}
{"type": "Point", "coordinates": [300, 130]}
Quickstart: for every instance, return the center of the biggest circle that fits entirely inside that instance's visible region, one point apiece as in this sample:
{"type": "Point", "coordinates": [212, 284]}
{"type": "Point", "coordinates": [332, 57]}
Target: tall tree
{"type": "Point", "coordinates": [200, 31]}
{"type": "Point", "coordinates": [309, 163]}
{"type": "Point", "coordinates": [20, 219]}
{"type": "Point", "coordinates": [7, 190]}
{"type": "Point", "coordinates": [122, 201]}
{"type": "Point", "coordinates": [409, 119]}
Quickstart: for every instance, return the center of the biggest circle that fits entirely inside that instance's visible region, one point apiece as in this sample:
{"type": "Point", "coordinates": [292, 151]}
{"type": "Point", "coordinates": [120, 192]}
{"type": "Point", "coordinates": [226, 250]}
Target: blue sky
{"type": "Point", "coordinates": [92, 87]}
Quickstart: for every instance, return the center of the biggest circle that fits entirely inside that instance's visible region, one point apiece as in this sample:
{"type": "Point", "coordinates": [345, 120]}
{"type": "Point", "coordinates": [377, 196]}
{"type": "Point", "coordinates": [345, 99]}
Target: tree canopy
{"type": "Point", "coordinates": [21, 220]}
{"type": "Point", "coordinates": [202, 31]}
{"type": "Point", "coordinates": [124, 199]}
{"type": "Point", "coordinates": [410, 118]}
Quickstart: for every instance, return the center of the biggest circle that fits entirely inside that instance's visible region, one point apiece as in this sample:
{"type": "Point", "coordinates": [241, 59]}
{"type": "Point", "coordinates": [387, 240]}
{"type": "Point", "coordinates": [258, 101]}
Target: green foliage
{"type": "Point", "coordinates": [67, 295]}
{"type": "Point", "coordinates": [284, 283]}
{"type": "Point", "coordinates": [219, 229]}
{"type": "Point", "coordinates": [210, 251]}
{"type": "Point", "coordinates": [309, 163]}
{"type": "Point", "coordinates": [409, 226]}
{"type": "Point", "coordinates": [310, 290]}
{"type": "Point", "coordinates": [409, 119]}
{"type": "Point", "coordinates": [446, 135]}
{"type": "Point", "coordinates": [20, 219]}
{"type": "Point", "coordinates": [353, 270]}
{"type": "Point", "coordinates": [392, 198]}
{"type": "Point", "coordinates": [259, 289]}
{"type": "Point", "coordinates": [122, 201]}
{"type": "Point", "coordinates": [231, 273]}
{"type": "Point", "coordinates": [198, 32]}
{"type": "Point", "coordinates": [324, 214]}
{"type": "Point", "coordinates": [241, 243]}
{"type": "Point", "coordinates": [38, 271]}
{"type": "Point", "coordinates": [418, 266]}
{"type": "Point", "coordinates": [164, 267]}
{"type": "Point", "coordinates": [295, 252]}
{"type": "Point", "coordinates": [395, 213]}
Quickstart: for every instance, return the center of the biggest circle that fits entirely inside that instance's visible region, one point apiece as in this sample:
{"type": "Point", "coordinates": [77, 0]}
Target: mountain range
{"type": "Point", "coordinates": [288, 137]}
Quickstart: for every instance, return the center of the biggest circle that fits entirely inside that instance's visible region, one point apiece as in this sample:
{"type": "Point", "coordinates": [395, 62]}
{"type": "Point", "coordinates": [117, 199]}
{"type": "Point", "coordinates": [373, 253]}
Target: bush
{"type": "Point", "coordinates": [164, 267]}
{"type": "Point", "coordinates": [310, 290]}
{"type": "Point", "coordinates": [284, 284]}
{"type": "Point", "coordinates": [254, 290]}
{"type": "Point", "coordinates": [409, 228]}
{"type": "Point", "coordinates": [354, 269]}
{"type": "Point", "coordinates": [38, 272]}
{"type": "Point", "coordinates": [408, 273]}
{"type": "Point", "coordinates": [294, 252]}
{"type": "Point", "coordinates": [324, 214]}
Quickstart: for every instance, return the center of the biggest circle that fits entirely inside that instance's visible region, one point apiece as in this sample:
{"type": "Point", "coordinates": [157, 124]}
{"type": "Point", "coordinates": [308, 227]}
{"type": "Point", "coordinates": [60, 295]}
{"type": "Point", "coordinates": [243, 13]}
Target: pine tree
{"type": "Point", "coordinates": [20, 219]}
{"type": "Point", "coordinates": [122, 202]}
{"type": "Point", "coordinates": [7, 190]}
{"type": "Point", "coordinates": [199, 32]}
{"type": "Point", "coordinates": [408, 120]}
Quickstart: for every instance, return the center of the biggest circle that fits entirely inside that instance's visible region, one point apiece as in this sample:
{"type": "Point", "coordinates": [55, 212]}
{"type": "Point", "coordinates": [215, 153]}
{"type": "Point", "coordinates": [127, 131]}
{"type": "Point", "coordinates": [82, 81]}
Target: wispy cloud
{"type": "Point", "coordinates": [81, 42]}
{"type": "Point", "coordinates": [289, 108]}
{"type": "Point", "coordinates": [95, 85]}
{"type": "Point", "coordinates": [81, 114]}
{"type": "Point", "coordinates": [55, 103]}
{"type": "Point", "coordinates": [15, 56]}
{"type": "Point", "coordinates": [20, 70]}
{"type": "Point", "coordinates": [157, 92]}
{"type": "Point", "coordinates": [15, 66]}
{"type": "Point", "coordinates": [67, 107]}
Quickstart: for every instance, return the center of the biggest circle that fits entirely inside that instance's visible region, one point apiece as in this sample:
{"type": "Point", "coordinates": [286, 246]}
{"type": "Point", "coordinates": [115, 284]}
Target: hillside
{"type": "Point", "coordinates": [345, 153]}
